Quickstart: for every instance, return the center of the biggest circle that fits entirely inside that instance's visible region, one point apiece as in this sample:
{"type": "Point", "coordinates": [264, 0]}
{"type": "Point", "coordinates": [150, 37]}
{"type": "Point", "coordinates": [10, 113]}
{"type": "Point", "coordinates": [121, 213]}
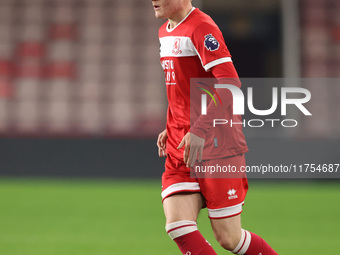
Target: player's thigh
{"type": "Point", "coordinates": [182, 206]}
{"type": "Point", "coordinates": [227, 231]}
{"type": "Point", "coordinates": [227, 226]}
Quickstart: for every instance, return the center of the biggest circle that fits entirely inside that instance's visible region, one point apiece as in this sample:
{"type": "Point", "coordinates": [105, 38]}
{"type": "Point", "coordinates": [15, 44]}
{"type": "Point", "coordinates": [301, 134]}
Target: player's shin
{"type": "Point", "coordinates": [252, 244]}
{"type": "Point", "coordinates": [188, 239]}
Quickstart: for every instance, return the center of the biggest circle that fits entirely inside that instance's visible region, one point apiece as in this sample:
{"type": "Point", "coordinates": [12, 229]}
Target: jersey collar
{"type": "Point", "coordinates": [172, 29]}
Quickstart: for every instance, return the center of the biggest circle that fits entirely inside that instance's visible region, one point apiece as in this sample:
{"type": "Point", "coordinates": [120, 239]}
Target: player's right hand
{"type": "Point", "coordinates": [161, 143]}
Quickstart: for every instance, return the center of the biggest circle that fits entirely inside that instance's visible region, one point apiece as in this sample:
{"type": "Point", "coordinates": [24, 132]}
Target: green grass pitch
{"type": "Point", "coordinates": [105, 217]}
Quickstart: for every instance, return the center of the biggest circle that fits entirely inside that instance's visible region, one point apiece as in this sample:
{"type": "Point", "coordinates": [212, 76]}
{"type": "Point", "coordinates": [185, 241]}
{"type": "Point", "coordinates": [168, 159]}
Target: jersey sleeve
{"type": "Point", "coordinates": [225, 74]}
{"type": "Point", "coordinates": [210, 45]}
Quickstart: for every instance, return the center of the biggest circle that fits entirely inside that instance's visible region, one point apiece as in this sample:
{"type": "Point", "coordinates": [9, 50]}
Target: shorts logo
{"type": "Point", "coordinates": [188, 253]}
{"type": "Point", "coordinates": [232, 194]}
{"type": "Point", "coordinates": [211, 43]}
{"type": "Point", "coordinates": [176, 49]}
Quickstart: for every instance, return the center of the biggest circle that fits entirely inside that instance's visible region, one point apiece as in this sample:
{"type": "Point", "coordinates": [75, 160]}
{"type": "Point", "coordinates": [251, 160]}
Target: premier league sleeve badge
{"type": "Point", "coordinates": [211, 43]}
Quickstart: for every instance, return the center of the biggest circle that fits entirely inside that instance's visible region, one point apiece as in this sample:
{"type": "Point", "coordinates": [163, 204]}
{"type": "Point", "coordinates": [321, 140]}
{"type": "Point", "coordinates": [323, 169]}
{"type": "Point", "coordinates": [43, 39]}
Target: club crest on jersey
{"type": "Point", "coordinates": [176, 49]}
{"type": "Point", "coordinates": [211, 43]}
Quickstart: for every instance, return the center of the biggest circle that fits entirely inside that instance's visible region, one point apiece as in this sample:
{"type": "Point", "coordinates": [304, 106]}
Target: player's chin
{"type": "Point", "coordinates": [159, 15]}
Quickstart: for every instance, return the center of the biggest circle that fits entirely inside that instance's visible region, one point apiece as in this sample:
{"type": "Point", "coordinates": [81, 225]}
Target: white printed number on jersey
{"type": "Point", "coordinates": [169, 70]}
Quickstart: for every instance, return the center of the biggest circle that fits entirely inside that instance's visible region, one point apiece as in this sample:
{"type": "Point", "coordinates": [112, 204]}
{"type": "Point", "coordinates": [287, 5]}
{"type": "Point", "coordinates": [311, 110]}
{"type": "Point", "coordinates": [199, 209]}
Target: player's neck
{"type": "Point", "coordinates": [179, 16]}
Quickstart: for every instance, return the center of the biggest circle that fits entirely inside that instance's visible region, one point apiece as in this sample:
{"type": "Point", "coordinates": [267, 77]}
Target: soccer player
{"type": "Point", "coordinates": [192, 46]}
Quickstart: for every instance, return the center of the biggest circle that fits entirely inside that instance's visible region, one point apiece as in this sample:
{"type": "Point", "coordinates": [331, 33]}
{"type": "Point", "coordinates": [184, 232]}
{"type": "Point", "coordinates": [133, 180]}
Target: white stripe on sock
{"type": "Point", "coordinates": [238, 247]}
{"type": "Point", "coordinates": [244, 243]}
{"type": "Point", "coordinates": [180, 228]}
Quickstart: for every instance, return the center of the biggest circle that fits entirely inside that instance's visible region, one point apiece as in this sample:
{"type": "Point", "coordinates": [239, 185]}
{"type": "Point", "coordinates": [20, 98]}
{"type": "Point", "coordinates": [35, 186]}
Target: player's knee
{"type": "Point", "coordinates": [180, 228]}
{"type": "Point", "coordinates": [227, 241]}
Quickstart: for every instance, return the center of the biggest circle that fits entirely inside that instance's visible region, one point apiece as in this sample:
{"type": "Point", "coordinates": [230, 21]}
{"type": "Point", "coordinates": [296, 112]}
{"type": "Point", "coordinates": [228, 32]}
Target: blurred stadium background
{"type": "Point", "coordinates": [82, 100]}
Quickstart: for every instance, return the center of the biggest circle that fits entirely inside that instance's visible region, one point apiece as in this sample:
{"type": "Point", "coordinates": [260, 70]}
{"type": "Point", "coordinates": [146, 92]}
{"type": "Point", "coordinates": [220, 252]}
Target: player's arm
{"type": "Point", "coordinates": [193, 146]}
{"type": "Point", "coordinates": [225, 74]}
{"type": "Point", "coordinates": [194, 140]}
{"type": "Point", "coordinates": [215, 57]}
{"type": "Point", "coordinates": [161, 143]}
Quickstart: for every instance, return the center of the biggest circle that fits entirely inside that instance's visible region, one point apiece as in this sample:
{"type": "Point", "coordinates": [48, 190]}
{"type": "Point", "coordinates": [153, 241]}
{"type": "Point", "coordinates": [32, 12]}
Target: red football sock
{"type": "Point", "coordinates": [188, 239]}
{"type": "Point", "coordinates": [252, 244]}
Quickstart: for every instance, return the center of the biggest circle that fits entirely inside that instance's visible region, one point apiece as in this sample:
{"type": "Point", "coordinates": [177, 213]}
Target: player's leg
{"type": "Point", "coordinates": [231, 237]}
{"type": "Point", "coordinates": [181, 212]}
{"type": "Point", "coordinates": [227, 231]}
{"type": "Point", "coordinates": [182, 206]}
{"type": "Point", "coordinates": [224, 199]}
{"type": "Point", "coordinates": [182, 202]}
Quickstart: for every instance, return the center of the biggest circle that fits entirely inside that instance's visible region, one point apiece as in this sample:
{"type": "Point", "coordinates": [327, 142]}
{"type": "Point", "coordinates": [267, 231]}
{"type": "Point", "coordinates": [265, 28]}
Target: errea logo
{"type": "Point", "coordinates": [232, 194]}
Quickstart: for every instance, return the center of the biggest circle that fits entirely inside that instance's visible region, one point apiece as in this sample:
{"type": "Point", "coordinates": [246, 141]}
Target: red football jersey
{"type": "Point", "coordinates": [191, 50]}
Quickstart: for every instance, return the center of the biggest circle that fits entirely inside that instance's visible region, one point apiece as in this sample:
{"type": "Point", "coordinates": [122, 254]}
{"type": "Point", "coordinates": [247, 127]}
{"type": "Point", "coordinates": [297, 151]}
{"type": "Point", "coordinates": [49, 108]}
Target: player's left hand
{"type": "Point", "coordinates": [193, 145]}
